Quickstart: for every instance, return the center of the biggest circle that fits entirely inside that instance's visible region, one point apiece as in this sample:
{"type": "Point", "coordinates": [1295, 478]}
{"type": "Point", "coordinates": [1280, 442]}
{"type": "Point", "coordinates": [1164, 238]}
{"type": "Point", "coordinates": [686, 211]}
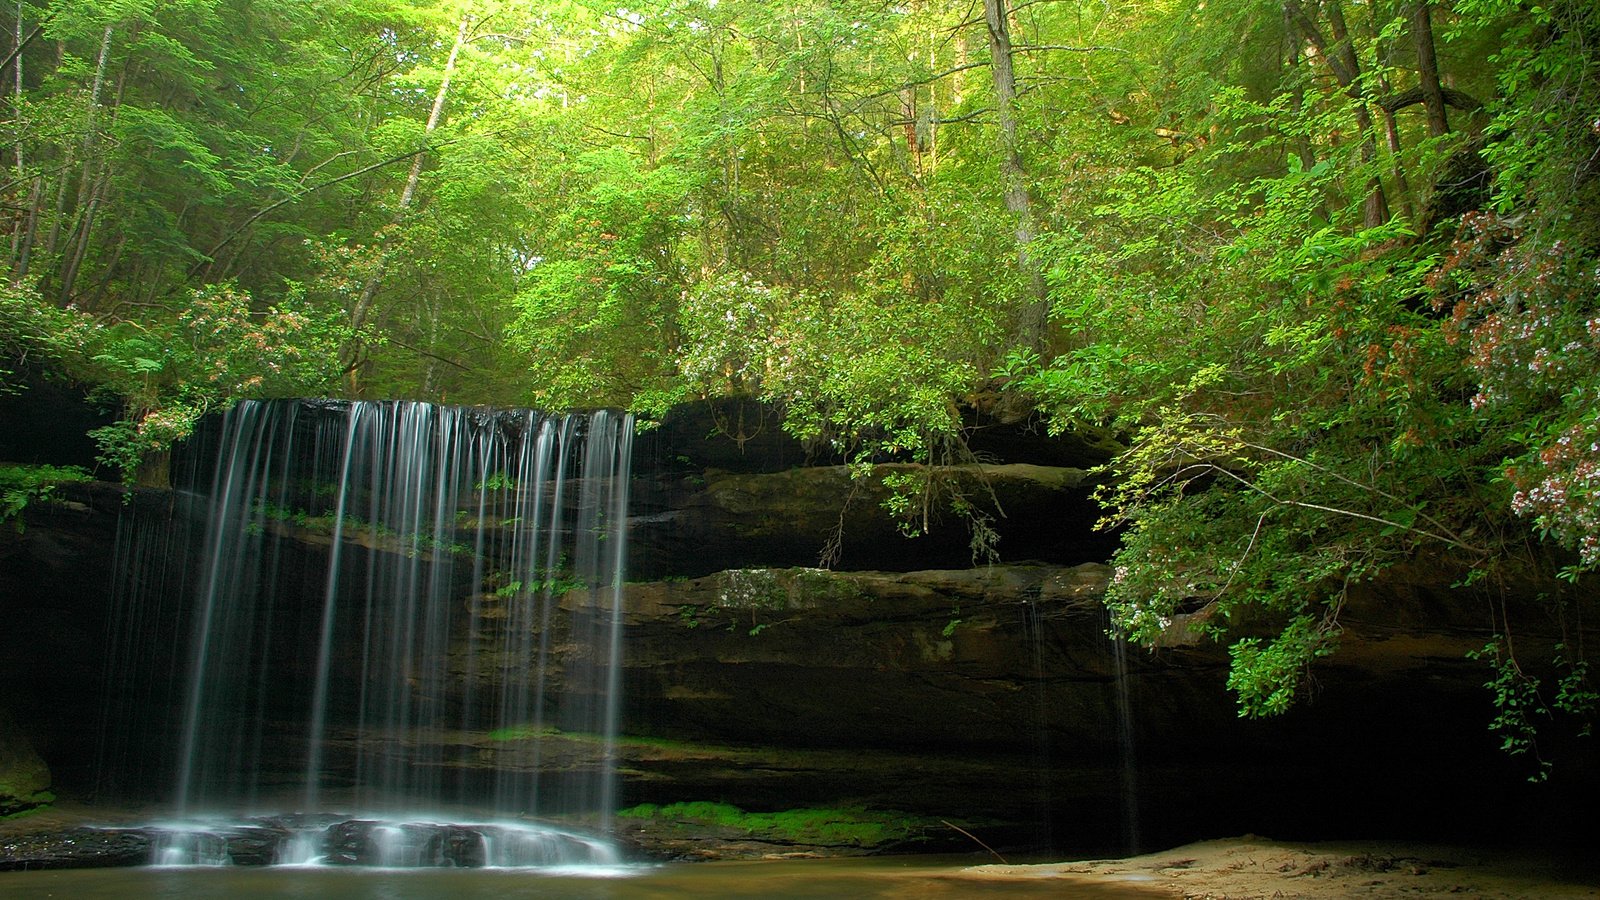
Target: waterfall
{"type": "Point", "coordinates": [400, 606]}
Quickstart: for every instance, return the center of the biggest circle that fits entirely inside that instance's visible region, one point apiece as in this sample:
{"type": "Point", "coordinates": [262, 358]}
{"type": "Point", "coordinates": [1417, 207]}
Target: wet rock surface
{"type": "Point", "coordinates": [298, 840]}
{"type": "Point", "coordinates": [75, 848]}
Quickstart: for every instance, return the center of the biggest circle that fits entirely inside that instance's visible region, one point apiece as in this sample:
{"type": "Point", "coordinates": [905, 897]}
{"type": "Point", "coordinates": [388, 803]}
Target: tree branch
{"type": "Point", "coordinates": [255, 216]}
{"type": "Point", "coordinates": [1065, 48]}
{"type": "Point", "coordinates": [15, 51]}
{"type": "Point", "coordinates": [1412, 96]}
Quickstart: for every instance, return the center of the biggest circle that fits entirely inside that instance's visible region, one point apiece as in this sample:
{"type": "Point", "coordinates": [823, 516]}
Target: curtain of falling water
{"type": "Point", "coordinates": [233, 623]}
{"type": "Point", "coordinates": [456, 565]}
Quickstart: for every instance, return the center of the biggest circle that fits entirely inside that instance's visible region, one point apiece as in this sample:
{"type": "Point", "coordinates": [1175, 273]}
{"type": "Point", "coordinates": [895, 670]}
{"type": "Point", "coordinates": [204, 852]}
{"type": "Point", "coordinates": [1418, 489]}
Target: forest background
{"type": "Point", "coordinates": [1329, 268]}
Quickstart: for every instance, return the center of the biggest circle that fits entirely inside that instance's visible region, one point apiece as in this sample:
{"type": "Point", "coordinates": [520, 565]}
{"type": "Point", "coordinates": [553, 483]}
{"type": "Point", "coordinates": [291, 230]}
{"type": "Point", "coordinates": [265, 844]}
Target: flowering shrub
{"type": "Point", "coordinates": [1529, 312]}
{"type": "Point", "coordinates": [166, 375]}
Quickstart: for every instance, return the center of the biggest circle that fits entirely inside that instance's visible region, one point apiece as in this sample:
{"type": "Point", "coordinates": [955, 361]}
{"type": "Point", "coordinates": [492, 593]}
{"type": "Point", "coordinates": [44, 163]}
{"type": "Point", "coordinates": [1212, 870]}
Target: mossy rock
{"type": "Point", "coordinates": [24, 777]}
{"type": "Point", "coordinates": [708, 829]}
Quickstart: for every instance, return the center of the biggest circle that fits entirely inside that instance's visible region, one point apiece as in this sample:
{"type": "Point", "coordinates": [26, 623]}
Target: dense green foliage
{"type": "Point", "coordinates": [19, 485]}
{"type": "Point", "coordinates": [1330, 265]}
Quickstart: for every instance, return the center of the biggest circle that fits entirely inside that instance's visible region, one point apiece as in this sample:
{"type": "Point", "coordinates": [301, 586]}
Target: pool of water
{"type": "Point", "coordinates": [895, 877]}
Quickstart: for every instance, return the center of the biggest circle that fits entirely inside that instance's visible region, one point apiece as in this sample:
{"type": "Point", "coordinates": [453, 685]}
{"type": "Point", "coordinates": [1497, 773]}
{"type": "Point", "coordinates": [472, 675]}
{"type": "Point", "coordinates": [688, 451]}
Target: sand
{"type": "Point", "coordinates": [1252, 867]}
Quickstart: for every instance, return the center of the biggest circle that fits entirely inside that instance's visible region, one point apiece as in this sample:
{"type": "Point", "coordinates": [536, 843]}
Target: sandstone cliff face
{"type": "Point", "coordinates": [907, 678]}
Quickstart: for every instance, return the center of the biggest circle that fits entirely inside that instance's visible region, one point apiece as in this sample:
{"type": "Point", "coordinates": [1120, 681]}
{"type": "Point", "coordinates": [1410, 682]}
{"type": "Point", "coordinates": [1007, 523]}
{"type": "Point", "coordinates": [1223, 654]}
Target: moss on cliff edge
{"type": "Point", "coordinates": [828, 827]}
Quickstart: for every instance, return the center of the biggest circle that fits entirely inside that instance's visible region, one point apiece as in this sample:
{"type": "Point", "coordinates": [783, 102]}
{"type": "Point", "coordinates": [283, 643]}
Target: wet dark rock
{"type": "Point", "coordinates": [348, 844]}
{"type": "Point", "coordinates": [76, 848]}
{"type": "Point", "coordinates": [361, 842]}
{"type": "Point", "coordinates": [731, 434]}
{"type": "Point", "coordinates": [255, 846]}
{"type": "Point", "coordinates": [464, 847]}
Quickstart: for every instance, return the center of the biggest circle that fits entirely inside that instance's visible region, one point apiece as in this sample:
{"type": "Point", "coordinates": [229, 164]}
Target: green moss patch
{"type": "Point", "coordinates": [852, 826]}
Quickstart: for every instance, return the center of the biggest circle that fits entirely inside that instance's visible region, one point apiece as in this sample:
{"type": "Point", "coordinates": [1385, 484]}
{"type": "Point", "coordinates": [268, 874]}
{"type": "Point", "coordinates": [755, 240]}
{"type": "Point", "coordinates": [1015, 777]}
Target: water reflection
{"type": "Point", "coordinates": [890, 879]}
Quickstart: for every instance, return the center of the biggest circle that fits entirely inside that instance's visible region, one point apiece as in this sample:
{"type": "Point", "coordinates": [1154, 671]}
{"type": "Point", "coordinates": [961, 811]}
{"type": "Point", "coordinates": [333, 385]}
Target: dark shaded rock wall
{"type": "Point", "coordinates": [906, 679]}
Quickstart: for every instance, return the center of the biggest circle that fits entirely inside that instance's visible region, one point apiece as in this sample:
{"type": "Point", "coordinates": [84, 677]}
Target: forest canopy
{"type": "Point", "coordinates": [1332, 267]}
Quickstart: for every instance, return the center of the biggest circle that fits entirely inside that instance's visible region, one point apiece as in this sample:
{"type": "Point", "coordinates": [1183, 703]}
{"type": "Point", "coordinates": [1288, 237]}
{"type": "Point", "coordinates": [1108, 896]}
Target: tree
{"type": "Point", "coordinates": [996, 19]}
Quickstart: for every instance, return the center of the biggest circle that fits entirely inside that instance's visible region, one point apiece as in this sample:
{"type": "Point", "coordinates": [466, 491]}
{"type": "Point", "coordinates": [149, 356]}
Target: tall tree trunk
{"type": "Point", "coordinates": [1391, 137]}
{"type": "Point", "coordinates": [1391, 130]}
{"type": "Point", "coordinates": [1301, 143]}
{"type": "Point", "coordinates": [96, 171]}
{"type": "Point", "coordinates": [1375, 211]}
{"type": "Point", "coordinates": [30, 232]}
{"type": "Point", "coordinates": [1340, 56]}
{"type": "Point", "coordinates": [1428, 68]}
{"type": "Point", "coordinates": [91, 125]}
{"type": "Point", "coordinates": [89, 206]}
{"type": "Point", "coordinates": [16, 104]}
{"type": "Point", "coordinates": [1013, 177]}
{"type": "Point", "coordinates": [19, 235]}
{"type": "Point", "coordinates": [358, 315]}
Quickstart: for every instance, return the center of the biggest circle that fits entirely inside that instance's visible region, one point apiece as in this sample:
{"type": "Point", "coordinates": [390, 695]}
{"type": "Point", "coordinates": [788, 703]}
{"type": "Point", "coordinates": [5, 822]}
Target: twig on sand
{"type": "Point", "coordinates": [979, 842]}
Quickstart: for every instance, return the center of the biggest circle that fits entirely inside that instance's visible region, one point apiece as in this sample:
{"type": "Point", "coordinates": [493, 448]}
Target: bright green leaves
{"type": "Point", "coordinates": [1522, 712]}
{"type": "Point", "coordinates": [1288, 403]}
{"type": "Point", "coordinates": [166, 373]}
{"type": "Point", "coordinates": [21, 485]}
{"type": "Point", "coordinates": [1266, 675]}
{"type": "Point", "coordinates": [598, 315]}
{"type": "Point", "coordinates": [1545, 72]}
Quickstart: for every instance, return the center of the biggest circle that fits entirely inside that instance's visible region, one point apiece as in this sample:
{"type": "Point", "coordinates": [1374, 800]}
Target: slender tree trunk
{"type": "Point", "coordinates": [60, 214]}
{"type": "Point", "coordinates": [86, 182]}
{"type": "Point", "coordinates": [60, 207]}
{"type": "Point", "coordinates": [1391, 132]}
{"type": "Point", "coordinates": [1340, 55]}
{"type": "Point", "coordinates": [437, 110]}
{"type": "Point", "coordinates": [19, 234]}
{"type": "Point", "coordinates": [1428, 68]}
{"type": "Point", "coordinates": [30, 230]}
{"type": "Point", "coordinates": [89, 205]}
{"type": "Point", "coordinates": [1013, 177]}
{"type": "Point", "coordinates": [358, 315]}
{"type": "Point", "coordinates": [1375, 211]}
{"type": "Point", "coordinates": [1301, 143]}
{"type": "Point", "coordinates": [1396, 164]}
{"type": "Point", "coordinates": [97, 183]}
{"type": "Point", "coordinates": [16, 105]}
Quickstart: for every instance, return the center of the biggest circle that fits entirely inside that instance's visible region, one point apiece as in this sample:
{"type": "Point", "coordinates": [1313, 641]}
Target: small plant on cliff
{"type": "Point", "coordinates": [21, 485]}
{"type": "Point", "coordinates": [1520, 705]}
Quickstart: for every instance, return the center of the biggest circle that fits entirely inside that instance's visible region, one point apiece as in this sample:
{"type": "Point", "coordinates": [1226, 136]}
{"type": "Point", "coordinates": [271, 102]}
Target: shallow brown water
{"type": "Point", "coordinates": [890, 879]}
